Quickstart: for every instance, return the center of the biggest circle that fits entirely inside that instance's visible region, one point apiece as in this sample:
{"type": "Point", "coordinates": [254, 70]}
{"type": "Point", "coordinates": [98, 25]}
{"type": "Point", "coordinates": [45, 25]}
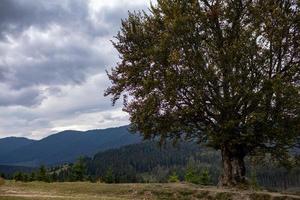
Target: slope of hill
{"type": "Point", "coordinates": [67, 146]}
{"type": "Point", "coordinates": [146, 162]}
{"type": "Point", "coordinates": [12, 143]}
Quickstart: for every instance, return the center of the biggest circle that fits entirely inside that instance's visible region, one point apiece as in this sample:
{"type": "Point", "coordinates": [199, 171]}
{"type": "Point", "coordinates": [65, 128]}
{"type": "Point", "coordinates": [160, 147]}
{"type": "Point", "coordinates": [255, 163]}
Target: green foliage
{"type": "Point", "coordinates": [42, 174]}
{"type": "Point", "coordinates": [173, 178]}
{"type": "Point", "coordinates": [205, 178]}
{"type": "Point", "coordinates": [109, 176]}
{"type": "Point", "coordinates": [253, 180]}
{"type": "Point", "coordinates": [197, 175]}
{"type": "Point", "coordinates": [223, 72]}
{"type": "Point", "coordinates": [192, 176]}
{"type": "Point", "coordinates": [79, 170]}
{"type": "Point", "coordinates": [53, 177]}
{"type": "Point", "coordinates": [19, 176]}
{"type": "Point", "coordinates": [26, 177]}
{"type": "Point", "coordinates": [32, 176]}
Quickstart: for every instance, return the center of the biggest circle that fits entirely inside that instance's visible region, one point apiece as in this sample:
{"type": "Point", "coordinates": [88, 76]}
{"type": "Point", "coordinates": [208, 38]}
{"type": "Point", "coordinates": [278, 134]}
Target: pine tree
{"type": "Point", "coordinates": [18, 176]}
{"type": "Point", "coordinates": [25, 177]}
{"type": "Point", "coordinates": [173, 178]}
{"type": "Point", "coordinates": [42, 174]}
{"type": "Point", "coordinates": [109, 176]}
{"type": "Point", "coordinates": [32, 177]}
{"type": "Point", "coordinates": [205, 178]}
{"type": "Point", "coordinates": [79, 170]}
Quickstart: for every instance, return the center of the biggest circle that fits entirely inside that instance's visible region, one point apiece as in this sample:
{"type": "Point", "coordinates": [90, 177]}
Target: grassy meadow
{"type": "Point", "coordinates": [12, 190]}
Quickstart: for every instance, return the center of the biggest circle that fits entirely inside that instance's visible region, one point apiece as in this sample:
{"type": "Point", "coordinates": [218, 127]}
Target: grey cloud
{"type": "Point", "coordinates": [17, 15]}
{"type": "Point", "coordinates": [67, 56]}
{"type": "Point", "coordinates": [53, 54]}
{"type": "Point", "coordinates": [25, 97]}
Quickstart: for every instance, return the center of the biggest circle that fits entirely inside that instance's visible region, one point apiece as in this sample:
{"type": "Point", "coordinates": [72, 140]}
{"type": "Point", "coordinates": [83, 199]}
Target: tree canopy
{"type": "Point", "coordinates": [225, 72]}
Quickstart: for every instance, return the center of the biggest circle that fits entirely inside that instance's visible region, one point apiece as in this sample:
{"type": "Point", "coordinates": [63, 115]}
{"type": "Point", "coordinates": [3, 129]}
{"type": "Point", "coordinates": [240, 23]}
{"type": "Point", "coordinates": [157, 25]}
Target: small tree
{"type": "Point", "coordinates": [79, 170]}
{"type": "Point", "coordinates": [32, 177]}
{"type": "Point", "coordinates": [109, 176]}
{"type": "Point", "coordinates": [224, 72]}
{"type": "Point", "coordinates": [53, 177]}
{"type": "Point", "coordinates": [18, 176]}
{"type": "Point", "coordinates": [192, 176]}
{"type": "Point", "coordinates": [173, 178]}
{"type": "Point", "coordinates": [42, 174]}
{"type": "Point", "coordinates": [25, 177]}
{"type": "Point", "coordinates": [205, 178]}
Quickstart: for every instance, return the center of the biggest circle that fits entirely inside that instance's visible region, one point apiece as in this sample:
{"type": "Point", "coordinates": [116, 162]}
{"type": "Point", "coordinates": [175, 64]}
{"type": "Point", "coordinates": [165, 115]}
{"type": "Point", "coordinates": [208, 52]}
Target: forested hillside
{"type": "Point", "coordinates": [8, 171]}
{"type": "Point", "coordinates": [12, 143]}
{"type": "Point", "coordinates": [147, 162]}
{"type": "Point", "coordinates": [150, 163]}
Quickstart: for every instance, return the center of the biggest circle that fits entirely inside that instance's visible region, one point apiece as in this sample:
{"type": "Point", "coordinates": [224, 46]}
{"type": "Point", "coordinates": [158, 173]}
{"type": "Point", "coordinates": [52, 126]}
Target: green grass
{"type": "Point", "coordinates": [97, 191]}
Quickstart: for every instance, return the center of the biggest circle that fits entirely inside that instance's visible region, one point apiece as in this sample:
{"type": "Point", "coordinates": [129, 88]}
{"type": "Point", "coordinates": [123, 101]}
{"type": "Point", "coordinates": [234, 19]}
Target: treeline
{"type": "Point", "coordinates": [147, 162]}
{"type": "Point", "coordinates": [67, 172]}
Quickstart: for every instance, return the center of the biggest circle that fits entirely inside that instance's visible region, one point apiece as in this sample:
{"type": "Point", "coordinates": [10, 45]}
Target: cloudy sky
{"type": "Point", "coordinates": [53, 56]}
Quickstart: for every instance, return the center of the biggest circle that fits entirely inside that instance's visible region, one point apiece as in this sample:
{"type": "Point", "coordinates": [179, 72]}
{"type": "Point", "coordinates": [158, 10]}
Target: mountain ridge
{"type": "Point", "coordinates": [67, 146]}
{"type": "Point", "coordinates": [9, 144]}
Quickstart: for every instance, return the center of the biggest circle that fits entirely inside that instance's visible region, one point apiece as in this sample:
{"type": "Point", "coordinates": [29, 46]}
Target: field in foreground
{"type": "Point", "coordinates": [92, 191]}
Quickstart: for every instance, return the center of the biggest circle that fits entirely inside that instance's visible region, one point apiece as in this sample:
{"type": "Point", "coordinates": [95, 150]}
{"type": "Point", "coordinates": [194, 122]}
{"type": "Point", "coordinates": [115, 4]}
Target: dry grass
{"type": "Point", "coordinates": [2, 181]}
{"type": "Point", "coordinates": [97, 191]}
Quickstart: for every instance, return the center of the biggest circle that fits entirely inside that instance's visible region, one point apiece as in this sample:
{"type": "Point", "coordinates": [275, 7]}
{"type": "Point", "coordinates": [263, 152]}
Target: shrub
{"type": "Point", "coordinates": [191, 176]}
{"type": "Point", "coordinates": [109, 176]}
{"type": "Point", "coordinates": [205, 178]}
{"type": "Point", "coordinates": [18, 176]}
{"type": "Point", "coordinates": [173, 178]}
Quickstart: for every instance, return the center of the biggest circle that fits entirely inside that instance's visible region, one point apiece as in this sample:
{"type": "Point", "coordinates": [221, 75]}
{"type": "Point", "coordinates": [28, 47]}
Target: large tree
{"type": "Point", "coordinates": [225, 72]}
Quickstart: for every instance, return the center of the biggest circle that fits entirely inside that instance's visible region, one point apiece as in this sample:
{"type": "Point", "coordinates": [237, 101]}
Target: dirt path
{"type": "Point", "coordinates": [44, 195]}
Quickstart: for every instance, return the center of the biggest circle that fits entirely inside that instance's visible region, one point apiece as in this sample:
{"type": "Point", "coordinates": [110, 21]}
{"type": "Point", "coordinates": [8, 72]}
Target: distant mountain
{"type": "Point", "coordinates": [67, 146]}
{"type": "Point", "coordinates": [12, 143]}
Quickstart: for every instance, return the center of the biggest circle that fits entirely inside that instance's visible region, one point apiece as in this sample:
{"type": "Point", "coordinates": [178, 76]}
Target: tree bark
{"type": "Point", "coordinates": [234, 170]}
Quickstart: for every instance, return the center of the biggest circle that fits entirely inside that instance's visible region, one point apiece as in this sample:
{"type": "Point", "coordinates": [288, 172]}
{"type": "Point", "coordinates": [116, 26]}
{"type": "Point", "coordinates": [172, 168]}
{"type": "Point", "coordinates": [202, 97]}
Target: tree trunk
{"type": "Point", "coordinates": [234, 170]}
